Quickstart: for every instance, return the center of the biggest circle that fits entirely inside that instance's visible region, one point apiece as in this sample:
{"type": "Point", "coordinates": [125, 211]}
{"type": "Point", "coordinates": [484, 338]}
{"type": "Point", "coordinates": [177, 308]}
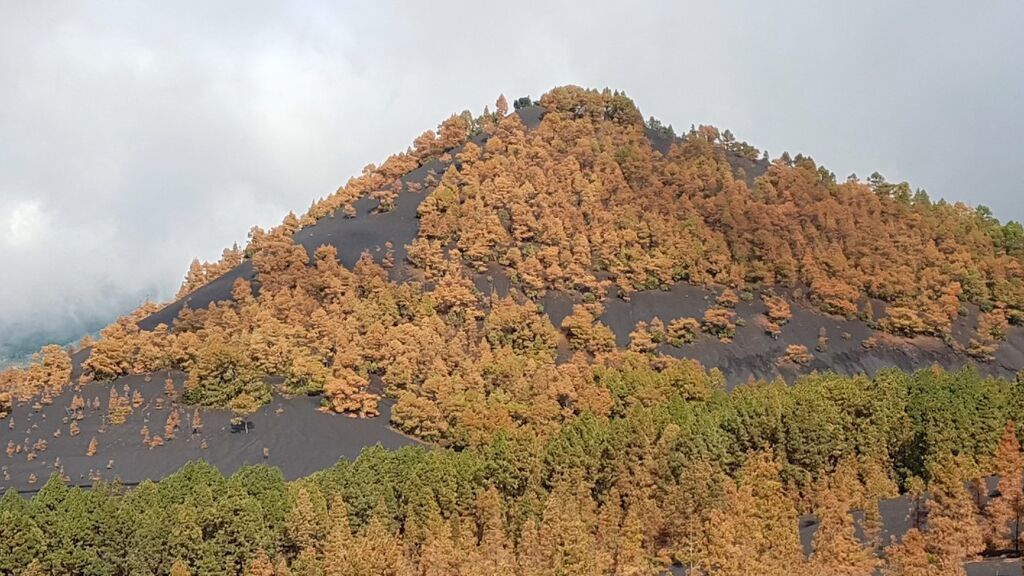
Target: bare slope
{"type": "Point", "coordinates": [284, 427]}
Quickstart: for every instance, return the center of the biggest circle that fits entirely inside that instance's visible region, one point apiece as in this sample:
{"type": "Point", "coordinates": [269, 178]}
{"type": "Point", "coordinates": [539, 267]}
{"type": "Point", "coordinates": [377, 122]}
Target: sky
{"type": "Point", "coordinates": [137, 136]}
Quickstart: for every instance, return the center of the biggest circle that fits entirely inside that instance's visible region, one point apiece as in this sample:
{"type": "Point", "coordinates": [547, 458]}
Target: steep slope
{"type": "Point", "coordinates": [750, 354]}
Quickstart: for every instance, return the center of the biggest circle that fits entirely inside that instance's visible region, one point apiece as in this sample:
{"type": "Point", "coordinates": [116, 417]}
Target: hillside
{"type": "Point", "coordinates": [586, 209]}
{"type": "Point", "coordinates": [568, 302]}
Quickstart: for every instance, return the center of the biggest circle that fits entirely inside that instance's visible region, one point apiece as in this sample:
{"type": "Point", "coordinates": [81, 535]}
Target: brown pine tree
{"type": "Point", "coordinates": [640, 339]}
{"type": "Point", "coordinates": [954, 534]}
{"type": "Point", "coordinates": [118, 407]}
{"type": "Point", "coordinates": [339, 539]}
{"type": "Point", "coordinates": [494, 550]}
{"type": "Point", "coordinates": [631, 557]}
{"type": "Point", "coordinates": [378, 549]}
{"type": "Point", "coordinates": [836, 550]}
{"type": "Point", "coordinates": [259, 565]}
{"type": "Point", "coordinates": [171, 426]}
{"type": "Point", "coordinates": [197, 422]}
{"type": "Point", "coordinates": [1005, 514]}
{"type": "Point", "coordinates": [439, 555]}
{"type": "Point", "coordinates": [566, 542]}
{"type": "Point", "coordinates": [530, 559]}
{"type": "Point", "coordinates": [688, 505]}
{"type": "Point", "coordinates": [35, 568]}
{"type": "Point", "coordinates": [754, 531]}
{"type": "Point", "coordinates": [909, 557]}
{"type": "Point", "coordinates": [609, 522]}
{"type": "Point", "coordinates": [179, 569]}
{"type": "Point", "coordinates": [307, 563]}
{"type": "Point", "coordinates": [304, 523]}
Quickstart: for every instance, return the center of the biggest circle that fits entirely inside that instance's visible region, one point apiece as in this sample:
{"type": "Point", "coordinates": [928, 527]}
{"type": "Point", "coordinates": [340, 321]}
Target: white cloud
{"type": "Point", "coordinates": [26, 224]}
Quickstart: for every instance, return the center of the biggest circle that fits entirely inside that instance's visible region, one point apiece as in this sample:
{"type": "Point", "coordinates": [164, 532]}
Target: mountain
{"type": "Point", "coordinates": [566, 301]}
{"type": "Point", "coordinates": [590, 209]}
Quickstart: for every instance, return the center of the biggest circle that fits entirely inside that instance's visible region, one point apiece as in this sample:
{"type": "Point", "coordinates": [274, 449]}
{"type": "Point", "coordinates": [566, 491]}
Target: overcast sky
{"type": "Point", "coordinates": [136, 136]}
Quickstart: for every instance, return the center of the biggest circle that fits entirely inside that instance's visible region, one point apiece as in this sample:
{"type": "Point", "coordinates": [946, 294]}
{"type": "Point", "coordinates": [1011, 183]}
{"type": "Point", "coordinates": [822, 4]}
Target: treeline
{"type": "Point", "coordinates": [713, 481]}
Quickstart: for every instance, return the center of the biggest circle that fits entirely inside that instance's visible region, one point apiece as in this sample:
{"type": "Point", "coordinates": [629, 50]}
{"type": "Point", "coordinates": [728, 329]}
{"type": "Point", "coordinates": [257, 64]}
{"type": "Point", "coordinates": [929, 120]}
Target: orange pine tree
{"type": "Point", "coordinates": [1005, 513]}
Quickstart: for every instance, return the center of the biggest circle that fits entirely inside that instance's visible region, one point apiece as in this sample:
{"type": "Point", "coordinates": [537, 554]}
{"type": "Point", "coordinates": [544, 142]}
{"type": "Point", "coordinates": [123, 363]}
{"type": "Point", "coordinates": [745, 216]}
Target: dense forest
{"type": "Point", "coordinates": [555, 451]}
{"type": "Point", "coordinates": [678, 471]}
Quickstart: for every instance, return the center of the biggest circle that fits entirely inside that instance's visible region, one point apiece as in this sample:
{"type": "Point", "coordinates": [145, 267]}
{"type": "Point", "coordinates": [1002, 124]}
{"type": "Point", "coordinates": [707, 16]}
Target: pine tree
{"type": "Point", "coordinates": [179, 569]}
{"type": "Point", "coordinates": [118, 408]}
{"type": "Point", "coordinates": [259, 565]}
{"type": "Point", "coordinates": [1005, 514]}
{"type": "Point", "coordinates": [721, 551]}
{"type": "Point", "coordinates": [338, 519]}
{"type": "Point", "coordinates": [632, 558]}
{"type": "Point", "coordinates": [171, 426]}
{"type": "Point", "coordinates": [304, 523]}
{"type": "Point", "coordinates": [378, 549]}
{"type": "Point", "coordinates": [836, 550]}
{"type": "Point", "coordinates": [878, 485]}
{"type": "Point", "coordinates": [909, 557]}
{"type": "Point", "coordinates": [439, 555]}
{"type": "Point", "coordinates": [530, 559]}
{"type": "Point", "coordinates": [494, 550]}
{"type": "Point", "coordinates": [640, 339]}
{"type": "Point", "coordinates": [607, 536]}
{"type": "Point", "coordinates": [688, 505]}
{"type": "Point", "coordinates": [307, 563]}
{"type": "Point", "coordinates": [21, 540]}
{"type": "Point", "coordinates": [339, 539]}
{"type": "Point", "coordinates": [567, 544]}
{"type": "Point", "coordinates": [753, 532]}
{"type": "Point", "coordinates": [954, 534]}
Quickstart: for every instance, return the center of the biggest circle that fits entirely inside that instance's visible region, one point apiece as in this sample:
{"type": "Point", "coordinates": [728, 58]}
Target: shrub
{"type": "Point", "coordinates": [797, 354]}
{"type": "Point", "coordinates": [719, 323]}
{"type": "Point", "coordinates": [683, 331]}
